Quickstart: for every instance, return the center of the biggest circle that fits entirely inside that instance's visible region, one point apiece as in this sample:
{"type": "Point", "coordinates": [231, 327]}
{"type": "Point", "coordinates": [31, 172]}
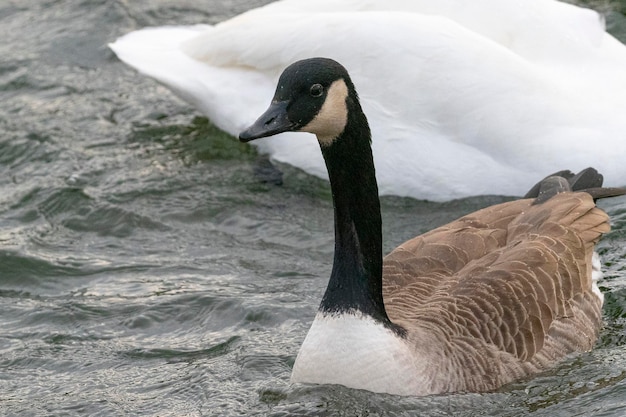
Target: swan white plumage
{"type": "Point", "coordinates": [465, 98]}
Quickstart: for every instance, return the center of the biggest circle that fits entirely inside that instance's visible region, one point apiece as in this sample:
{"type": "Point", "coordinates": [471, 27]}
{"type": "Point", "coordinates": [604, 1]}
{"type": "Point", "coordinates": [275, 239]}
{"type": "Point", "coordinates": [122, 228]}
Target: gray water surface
{"type": "Point", "coordinates": [146, 270]}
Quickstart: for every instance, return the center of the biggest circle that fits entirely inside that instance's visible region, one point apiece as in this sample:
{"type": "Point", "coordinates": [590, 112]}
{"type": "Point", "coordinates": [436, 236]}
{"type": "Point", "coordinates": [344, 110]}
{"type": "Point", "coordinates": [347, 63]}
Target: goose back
{"type": "Point", "coordinates": [501, 293]}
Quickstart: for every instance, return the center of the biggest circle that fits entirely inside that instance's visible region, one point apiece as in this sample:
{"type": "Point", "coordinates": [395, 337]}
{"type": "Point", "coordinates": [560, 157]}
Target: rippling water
{"type": "Point", "coordinates": [148, 266]}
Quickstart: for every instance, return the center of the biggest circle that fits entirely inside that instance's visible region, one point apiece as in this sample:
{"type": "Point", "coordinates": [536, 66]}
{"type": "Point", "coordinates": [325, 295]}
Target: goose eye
{"type": "Point", "coordinates": [316, 90]}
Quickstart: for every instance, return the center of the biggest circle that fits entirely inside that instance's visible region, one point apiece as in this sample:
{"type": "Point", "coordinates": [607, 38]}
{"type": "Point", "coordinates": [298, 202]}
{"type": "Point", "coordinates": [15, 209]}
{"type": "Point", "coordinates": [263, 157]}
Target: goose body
{"type": "Point", "coordinates": [484, 94]}
{"type": "Point", "coordinates": [497, 295]}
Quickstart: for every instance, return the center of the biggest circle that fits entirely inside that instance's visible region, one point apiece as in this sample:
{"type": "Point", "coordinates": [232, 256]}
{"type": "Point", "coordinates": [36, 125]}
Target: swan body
{"type": "Point", "coordinates": [492, 297]}
{"type": "Point", "coordinates": [484, 95]}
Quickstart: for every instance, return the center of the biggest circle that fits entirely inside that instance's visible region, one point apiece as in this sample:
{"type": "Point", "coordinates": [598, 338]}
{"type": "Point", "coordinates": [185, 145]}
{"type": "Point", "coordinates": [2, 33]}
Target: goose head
{"type": "Point", "coordinates": [317, 96]}
{"type": "Point", "coordinates": [312, 95]}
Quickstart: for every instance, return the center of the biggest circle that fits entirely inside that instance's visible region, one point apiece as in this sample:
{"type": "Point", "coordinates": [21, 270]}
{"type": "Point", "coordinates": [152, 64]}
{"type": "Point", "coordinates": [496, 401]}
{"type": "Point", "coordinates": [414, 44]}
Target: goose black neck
{"type": "Point", "coordinates": [356, 279]}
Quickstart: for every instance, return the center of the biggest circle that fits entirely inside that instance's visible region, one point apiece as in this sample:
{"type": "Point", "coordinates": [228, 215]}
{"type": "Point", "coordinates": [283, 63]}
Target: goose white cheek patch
{"type": "Point", "coordinates": [332, 117]}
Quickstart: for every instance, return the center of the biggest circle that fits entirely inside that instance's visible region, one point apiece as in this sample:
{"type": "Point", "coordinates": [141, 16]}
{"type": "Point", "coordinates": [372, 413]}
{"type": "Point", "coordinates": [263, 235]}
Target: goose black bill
{"type": "Point", "coordinates": [275, 120]}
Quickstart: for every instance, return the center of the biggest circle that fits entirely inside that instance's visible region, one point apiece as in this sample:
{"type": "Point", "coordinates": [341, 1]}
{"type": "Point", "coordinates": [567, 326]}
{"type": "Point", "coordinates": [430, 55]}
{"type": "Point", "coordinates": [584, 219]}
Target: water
{"type": "Point", "coordinates": [145, 269]}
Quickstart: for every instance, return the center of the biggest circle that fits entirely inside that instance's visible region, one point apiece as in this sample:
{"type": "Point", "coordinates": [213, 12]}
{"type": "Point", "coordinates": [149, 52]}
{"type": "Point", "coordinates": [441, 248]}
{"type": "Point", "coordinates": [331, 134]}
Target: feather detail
{"type": "Point", "coordinates": [510, 284]}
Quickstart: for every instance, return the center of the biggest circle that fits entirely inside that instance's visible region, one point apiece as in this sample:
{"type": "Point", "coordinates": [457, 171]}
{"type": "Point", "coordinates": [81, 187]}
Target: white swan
{"type": "Point", "coordinates": [465, 98]}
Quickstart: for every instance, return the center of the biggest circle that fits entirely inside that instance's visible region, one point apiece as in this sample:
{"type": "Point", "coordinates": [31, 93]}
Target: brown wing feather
{"type": "Point", "coordinates": [510, 285]}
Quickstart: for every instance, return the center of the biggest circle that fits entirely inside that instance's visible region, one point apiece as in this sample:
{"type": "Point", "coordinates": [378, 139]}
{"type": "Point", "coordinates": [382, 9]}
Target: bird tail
{"type": "Point", "coordinates": [588, 180]}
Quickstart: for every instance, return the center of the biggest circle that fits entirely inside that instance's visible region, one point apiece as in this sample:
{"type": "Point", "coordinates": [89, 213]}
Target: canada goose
{"type": "Point", "coordinates": [497, 295]}
{"type": "Point", "coordinates": [504, 90]}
